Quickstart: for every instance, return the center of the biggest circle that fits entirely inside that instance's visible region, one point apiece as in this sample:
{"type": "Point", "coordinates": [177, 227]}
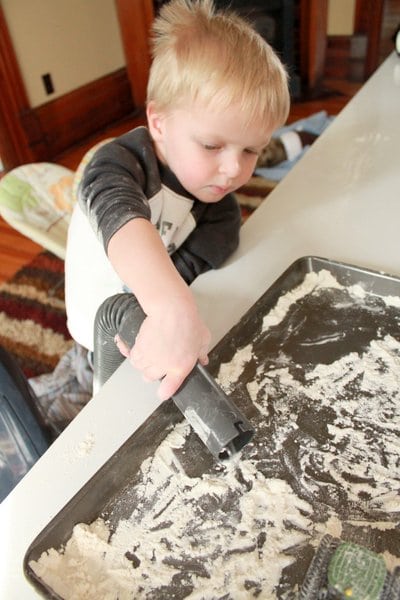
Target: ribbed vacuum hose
{"type": "Point", "coordinates": [120, 313]}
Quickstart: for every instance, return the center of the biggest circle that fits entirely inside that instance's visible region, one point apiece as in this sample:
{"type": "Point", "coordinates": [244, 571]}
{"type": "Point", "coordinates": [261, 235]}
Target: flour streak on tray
{"type": "Point", "coordinates": [321, 374]}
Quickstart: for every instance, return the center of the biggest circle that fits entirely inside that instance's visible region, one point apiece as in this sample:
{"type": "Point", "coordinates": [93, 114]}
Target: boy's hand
{"type": "Point", "coordinates": [173, 337]}
{"type": "Point", "coordinates": [168, 345]}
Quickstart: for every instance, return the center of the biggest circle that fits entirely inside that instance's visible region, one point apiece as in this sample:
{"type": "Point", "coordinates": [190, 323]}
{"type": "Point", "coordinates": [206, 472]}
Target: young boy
{"type": "Point", "coordinates": [155, 206]}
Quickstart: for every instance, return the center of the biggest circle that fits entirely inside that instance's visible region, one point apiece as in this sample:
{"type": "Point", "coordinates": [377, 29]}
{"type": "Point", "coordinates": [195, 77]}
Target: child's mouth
{"type": "Point", "coordinates": [219, 190]}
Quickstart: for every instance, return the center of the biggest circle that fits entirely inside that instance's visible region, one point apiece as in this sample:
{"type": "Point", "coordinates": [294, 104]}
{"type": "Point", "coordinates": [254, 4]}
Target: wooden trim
{"type": "Point", "coordinates": [368, 20]}
{"type": "Point", "coordinates": [135, 19]}
{"type": "Point", "coordinates": [338, 57]}
{"type": "Point", "coordinates": [61, 123]}
{"type": "Point", "coordinates": [14, 144]}
{"type": "Point", "coordinates": [313, 39]}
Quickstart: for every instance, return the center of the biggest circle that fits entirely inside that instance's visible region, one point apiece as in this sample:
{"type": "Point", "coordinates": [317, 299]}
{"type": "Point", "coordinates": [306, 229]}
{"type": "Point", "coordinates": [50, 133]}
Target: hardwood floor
{"type": "Point", "coordinates": [16, 250]}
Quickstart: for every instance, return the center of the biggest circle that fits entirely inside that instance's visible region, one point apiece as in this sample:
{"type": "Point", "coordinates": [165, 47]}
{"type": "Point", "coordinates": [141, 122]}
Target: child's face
{"type": "Point", "coordinates": [212, 152]}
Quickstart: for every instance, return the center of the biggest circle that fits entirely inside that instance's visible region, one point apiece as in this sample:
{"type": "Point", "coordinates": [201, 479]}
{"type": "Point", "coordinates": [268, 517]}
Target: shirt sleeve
{"type": "Point", "coordinates": [117, 182]}
{"type": "Point", "coordinates": [213, 240]}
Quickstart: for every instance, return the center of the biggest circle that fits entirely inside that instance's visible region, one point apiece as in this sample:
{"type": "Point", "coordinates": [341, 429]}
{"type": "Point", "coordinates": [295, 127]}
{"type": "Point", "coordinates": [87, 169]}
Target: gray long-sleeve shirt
{"type": "Point", "coordinates": [125, 180]}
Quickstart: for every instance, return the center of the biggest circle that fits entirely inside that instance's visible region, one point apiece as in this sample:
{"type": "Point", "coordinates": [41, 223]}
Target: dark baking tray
{"type": "Point", "coordinates": [107, 492]}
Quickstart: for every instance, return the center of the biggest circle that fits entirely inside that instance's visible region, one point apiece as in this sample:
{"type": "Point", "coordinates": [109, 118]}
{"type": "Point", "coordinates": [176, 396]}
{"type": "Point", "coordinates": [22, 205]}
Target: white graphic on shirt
{"type": "Point", "coordinates": [171, 214]}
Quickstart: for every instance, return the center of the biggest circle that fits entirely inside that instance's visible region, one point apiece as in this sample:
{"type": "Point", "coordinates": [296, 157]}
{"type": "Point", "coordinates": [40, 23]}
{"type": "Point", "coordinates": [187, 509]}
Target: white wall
{"type": "Point", "coordinates": [76, 41]}
{"type": "Point", "coordinates": [341, 17]}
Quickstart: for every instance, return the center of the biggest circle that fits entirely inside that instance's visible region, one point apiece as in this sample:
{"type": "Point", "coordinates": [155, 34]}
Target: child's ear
{"type": "Point", "coordinates": [154, 121]}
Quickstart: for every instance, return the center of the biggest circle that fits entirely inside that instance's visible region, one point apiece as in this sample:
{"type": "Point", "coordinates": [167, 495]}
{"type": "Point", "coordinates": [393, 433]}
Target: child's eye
{"type": "Point", "coordinates": [251, 151]}
{"type": "Point", "coordinates": [211, 147]}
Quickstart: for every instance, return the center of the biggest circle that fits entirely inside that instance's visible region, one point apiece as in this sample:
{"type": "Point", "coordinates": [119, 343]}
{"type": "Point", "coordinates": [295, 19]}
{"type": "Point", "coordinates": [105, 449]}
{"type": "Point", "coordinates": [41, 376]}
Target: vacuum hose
{"type": "Point", "coordinates": [213, 416]}
{"type": "Point", "coordinates": [120, 314]}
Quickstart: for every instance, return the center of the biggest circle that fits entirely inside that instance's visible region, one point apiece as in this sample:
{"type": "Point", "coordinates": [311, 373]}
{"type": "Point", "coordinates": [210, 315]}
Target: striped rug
{"type": "Point", "coordinates": [253, 193]}
{"type": "Point", "coordinates": [32, 315]}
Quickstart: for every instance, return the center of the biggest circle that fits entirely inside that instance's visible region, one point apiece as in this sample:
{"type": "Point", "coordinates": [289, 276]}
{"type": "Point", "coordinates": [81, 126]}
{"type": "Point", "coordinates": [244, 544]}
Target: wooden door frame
{"type": "Point", "coordinates": [136, 43]}
{"type": "Point", "coordinates": [14, 143]}
{"type": "Point", "coordinates": [368, 21]}
{"type": "Point", "coordinates": [313, 42]}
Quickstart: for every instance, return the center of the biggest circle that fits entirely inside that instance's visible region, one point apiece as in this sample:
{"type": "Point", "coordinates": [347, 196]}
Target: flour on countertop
{"type": "Point", "coordinates": [82, 449]}
{"type": "Point", "coordinates": [325, 459]}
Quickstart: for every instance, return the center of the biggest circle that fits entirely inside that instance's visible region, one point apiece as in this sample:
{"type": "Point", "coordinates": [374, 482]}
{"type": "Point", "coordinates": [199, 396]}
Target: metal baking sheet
{"type": "Point", "coordinates": [317, 330]}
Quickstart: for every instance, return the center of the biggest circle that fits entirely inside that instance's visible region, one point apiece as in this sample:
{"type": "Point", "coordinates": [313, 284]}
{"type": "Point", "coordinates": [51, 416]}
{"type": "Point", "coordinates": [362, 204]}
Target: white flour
{"type": "Point", "coordinates": [353, 451]}
{"type": "Point", "coordinates": [312, 281]}
{"type": "Point", "coordinates": [186, 520]}
{"type": "Point", "coordinates": [231, 533]}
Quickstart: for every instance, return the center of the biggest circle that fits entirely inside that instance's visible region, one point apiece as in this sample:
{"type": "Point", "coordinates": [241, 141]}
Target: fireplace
{"type": "Point", "coordinates": [277, 22]}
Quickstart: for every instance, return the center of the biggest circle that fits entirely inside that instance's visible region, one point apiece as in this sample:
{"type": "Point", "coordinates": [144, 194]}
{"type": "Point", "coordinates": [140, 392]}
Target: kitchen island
{"type": "Point", "coordinates": [341, 201]}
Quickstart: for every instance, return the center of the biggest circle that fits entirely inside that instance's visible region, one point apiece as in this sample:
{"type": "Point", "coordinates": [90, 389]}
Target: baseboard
{"type": "Point", "coordinates": [59, 124]}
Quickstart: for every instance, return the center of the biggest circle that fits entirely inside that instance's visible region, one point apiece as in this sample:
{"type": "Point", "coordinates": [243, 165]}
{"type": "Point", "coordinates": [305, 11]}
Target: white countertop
{"type": "Point", "coordinates": [341, 201]}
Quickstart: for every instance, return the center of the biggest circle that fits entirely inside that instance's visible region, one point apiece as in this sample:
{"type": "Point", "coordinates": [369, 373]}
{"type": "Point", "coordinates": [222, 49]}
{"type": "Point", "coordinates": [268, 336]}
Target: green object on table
{"type": "Point", "coordinates": [356, 572]}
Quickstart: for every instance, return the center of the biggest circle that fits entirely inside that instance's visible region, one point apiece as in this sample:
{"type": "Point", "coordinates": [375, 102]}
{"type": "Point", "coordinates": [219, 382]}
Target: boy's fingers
{"type": "Point", "coordinates": [170, 384]}
{"type": "Point", "coordinates": [203, 354]}
{"type": "Point", "coordinates": [121, 346]}
{"type": "Point", "coordinates": [151, 373]}
{"type": "Point", "coordinates": [203, 360]}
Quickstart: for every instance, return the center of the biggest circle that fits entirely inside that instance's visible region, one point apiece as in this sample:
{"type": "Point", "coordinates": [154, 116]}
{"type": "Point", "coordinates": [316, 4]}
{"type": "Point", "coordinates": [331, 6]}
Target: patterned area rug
{"type": "Point", "coordinates": [32, 315]}
{"type": "Point", "coordinates": [253, 193]}
{"type": "Point", "coordinates": [32, 310]}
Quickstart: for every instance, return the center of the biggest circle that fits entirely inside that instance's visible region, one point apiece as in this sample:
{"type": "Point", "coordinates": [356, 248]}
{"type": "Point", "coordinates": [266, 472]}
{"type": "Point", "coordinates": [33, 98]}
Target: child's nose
{"type": "Point", "coordinates": [230, 165]}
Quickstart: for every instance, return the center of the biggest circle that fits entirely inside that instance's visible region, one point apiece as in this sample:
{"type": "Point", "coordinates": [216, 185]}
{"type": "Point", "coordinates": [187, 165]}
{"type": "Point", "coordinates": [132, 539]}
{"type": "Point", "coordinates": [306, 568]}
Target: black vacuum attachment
{"type": "Point", "coordinates": [214, 417]}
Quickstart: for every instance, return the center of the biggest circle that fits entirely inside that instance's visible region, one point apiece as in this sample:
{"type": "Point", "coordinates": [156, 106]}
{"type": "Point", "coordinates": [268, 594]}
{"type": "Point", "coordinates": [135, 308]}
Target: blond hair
{"type": "Point", "coordinates": [200, 53]}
